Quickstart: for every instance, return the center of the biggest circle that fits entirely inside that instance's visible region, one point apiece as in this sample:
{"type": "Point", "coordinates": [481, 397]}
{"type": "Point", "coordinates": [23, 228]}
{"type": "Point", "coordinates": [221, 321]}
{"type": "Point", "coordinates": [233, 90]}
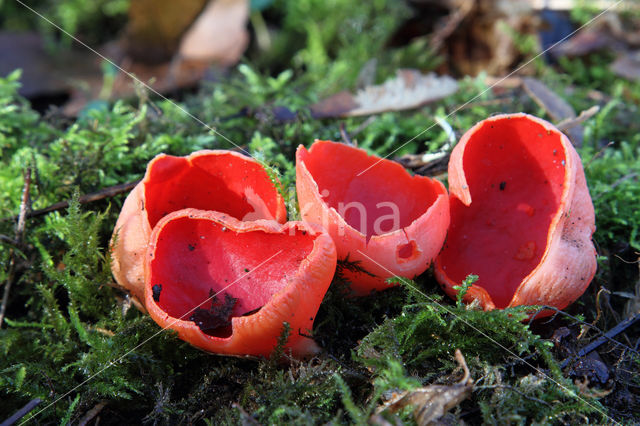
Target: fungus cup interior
{"type": "Point", "coordinates": [228, 182]}
{"type": "Point", "coordinates": [515, 172]}
{"type": "Point", "coordinates": [195, 258]}
{"type": "Point", "coordinates": [364, 189]}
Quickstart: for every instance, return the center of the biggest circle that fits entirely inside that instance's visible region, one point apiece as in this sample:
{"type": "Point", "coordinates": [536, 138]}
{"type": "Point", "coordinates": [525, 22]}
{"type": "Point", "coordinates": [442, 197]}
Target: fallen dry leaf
{"type": "Point", "coordinates": [627, 65]}
{"type": "Point", "coordinates": [485, 40]}
{"type": "Point", "coordinates": [610, 31]}
{"type": "Point", "coordinates": [219, 34]}
{"type": "Point", "coordinates": [44, 74]}
{"type": "Point", "coordinates": [155, 28]}
{"type": "Point", "coordinates": [555, 106]}
{"type": "Point", "coordinates": [432, 402]}
{"type": "Point", "coordinates": [409, 89]}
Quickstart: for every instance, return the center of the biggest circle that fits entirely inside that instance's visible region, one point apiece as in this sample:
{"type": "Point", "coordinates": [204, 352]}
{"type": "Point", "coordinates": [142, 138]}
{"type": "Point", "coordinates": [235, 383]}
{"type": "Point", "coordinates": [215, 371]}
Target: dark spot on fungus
{"type": "Point", "coordinates": [192, 247]}
{"type": "Point", "coordinates": [246, 269]}
{"type": "Point", "coordinates": [215, 321]}
{"type": "Point", "coordinates": [503, 185]}
{"type": "Point", "coordinates": [156, 292]}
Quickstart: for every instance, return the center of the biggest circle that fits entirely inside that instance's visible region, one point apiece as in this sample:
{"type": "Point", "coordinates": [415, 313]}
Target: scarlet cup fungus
{"type": "Point", "coordinates": [261, 273]}
{"type": "Point", "coordinates": [218, 180]}
{"type": "Point", "coordinates": [521, 216]}
{"type": "Point", "coordinates": [383, 221]}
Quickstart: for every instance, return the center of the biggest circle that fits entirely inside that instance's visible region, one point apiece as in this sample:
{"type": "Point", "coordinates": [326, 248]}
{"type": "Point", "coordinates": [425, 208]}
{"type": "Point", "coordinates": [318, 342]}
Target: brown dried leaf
{"type": "Point", "coordinates": [155, 28]}
{"type": "Point", "coordinates": [627, 65]}
{"type": "Point", "coordinates": [219, 34]}
{"type": "Point", "coordinates": [557, 108]}
{"type": "Point", "coordinates": [434, 401]}
{"type": "Point", "coordinates": [610, 31]}
{"type": "Point", "coordinates": [584, 42]}
{"type": "Point", "coordinates": [42, 73]}
{"type": "Point", "coordinates": [485, 40]}
{"type": "Point", "coordinates": [409, 89]}
{"type": "Point", "coordinates": [337, 105]}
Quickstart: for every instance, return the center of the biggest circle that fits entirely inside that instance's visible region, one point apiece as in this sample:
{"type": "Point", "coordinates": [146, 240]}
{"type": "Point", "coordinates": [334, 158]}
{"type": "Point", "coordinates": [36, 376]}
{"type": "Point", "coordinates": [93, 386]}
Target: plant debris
{"type": "Point", "coordinates": [432, 402]}
{"type": "Point", "coordinates": [215, 321]}
{"type": "Point", "coordinates": [557, 108]}
{"type": "Point", "coordinates": [68, 326]}
{"type": "Point", "coordinates": [409, 89]}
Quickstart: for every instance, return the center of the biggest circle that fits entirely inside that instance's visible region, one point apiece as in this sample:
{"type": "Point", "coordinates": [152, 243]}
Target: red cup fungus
{"type": "Point", "coordinates": [218, 180]}
{"type": "Point", "coordinates": [383, 221]}
{"type": "Point", "coordinates": [521, 216]}
{"type": "Point", "coordinates": [262, 273]}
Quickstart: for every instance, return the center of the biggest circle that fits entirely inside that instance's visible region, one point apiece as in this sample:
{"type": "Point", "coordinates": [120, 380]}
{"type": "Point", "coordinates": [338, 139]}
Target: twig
{"type": "Point", "coordinates": [8, 239]}
{"type": "Point", "coordinates": [87, 198]}
{"type": "Point", "coordinates": [21, 412]}
{"type": "Point", "coordinates": [598, 313]}
{"type": "Point", "coordinates": [608, 336]}
{"type": "Point", "coordinates": [91, 414]}
{"type": "Point", "coordinates": [598, 154]}
{"type": "Point", "coordinates": [345, 136]}
{"type": "Point", "coordinates": [19, 234]}
{"type": "Point", "coordinates": [449, 24]}
{"type": "Point", "coordinates": [622, 326]}
{"type": "Point", "coordinates": [569, 123]}
{"type": "Point", "coordinates": [364, 125]}
{"type": "Point", "coordinates": [624, 178]}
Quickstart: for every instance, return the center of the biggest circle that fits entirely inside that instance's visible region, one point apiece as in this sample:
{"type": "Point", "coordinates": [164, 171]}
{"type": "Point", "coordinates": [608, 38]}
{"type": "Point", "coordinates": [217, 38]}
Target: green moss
{"type": "Point", "coordinates": [67, 325]}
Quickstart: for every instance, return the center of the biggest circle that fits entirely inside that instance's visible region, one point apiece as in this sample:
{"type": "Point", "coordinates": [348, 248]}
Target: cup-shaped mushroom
{"type": "Point", "coordinates": [521, 216]}
{"type": "Point", "coordinates": [217, 180]}
{"type": "Point", "coordinates": [228, 286]}
{"type": "Point", "coordinates": [383, 221]}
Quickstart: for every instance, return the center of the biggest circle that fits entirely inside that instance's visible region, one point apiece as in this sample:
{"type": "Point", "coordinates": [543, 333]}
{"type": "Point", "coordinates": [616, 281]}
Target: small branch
{"type": "Point", "coordinates": [84, 199]}
{"type": "Point", "coordinates": [91, 414]}
{"type": "Point", "coordinates": [570, 123]}
{"type": "Point", "coordinates": [19, 235]}
{"type": "Point", "coordinates": [604, 336]}
{"type": "Point", "coordinates": [21, 412]}
{"type": "Point", "coordinates": [345, 136]}
{"type": "Point", "coordinates": [608, 336]}
{"type": "Point", "coordinates": [623, 179]}
{"type": "Point", "coordinates": [8, 240]}
{"type": "Point", "coordinates": [364, 125]}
